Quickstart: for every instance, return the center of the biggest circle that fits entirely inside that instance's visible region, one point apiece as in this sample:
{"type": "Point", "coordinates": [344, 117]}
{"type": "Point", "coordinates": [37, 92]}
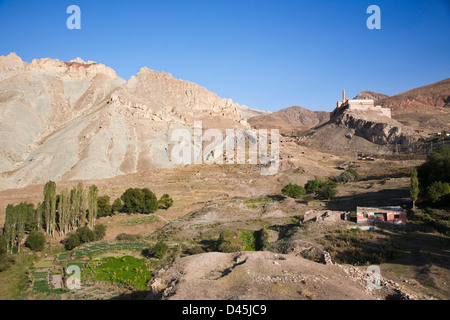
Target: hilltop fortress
{"type": "Point", "coordinates": [364, 105]}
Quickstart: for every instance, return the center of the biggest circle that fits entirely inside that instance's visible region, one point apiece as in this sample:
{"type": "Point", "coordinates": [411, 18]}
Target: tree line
{"type": "Point", "coordinates": [431, 180]}
{"type": "Point", "coordinates": [58, 213]}
{"type": "Point", "coordinates": [72, 209]}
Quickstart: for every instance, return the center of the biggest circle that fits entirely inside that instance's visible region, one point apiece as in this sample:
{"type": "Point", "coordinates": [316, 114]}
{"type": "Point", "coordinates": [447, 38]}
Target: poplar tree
{"type": "Point", "coordinates": [50, 207]}
{"type": "Point", "coordinates": [93, 205]}
{"type": "Point", "coordinates": [20, 215]}
{"type": "Point", "coordinates": [38, 216]}
{"type": "Point", "coordinates": [10, 227]}
{"type": "Point", "coordinates": [74, 209]}
{"type": "Point", "coordinates": [82, 199]}
{"type": "Point", "coordinates": [64, 211]}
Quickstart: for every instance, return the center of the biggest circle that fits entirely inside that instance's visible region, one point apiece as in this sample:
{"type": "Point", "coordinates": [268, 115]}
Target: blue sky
{"type": "Point", "coordinates": [265, 54]}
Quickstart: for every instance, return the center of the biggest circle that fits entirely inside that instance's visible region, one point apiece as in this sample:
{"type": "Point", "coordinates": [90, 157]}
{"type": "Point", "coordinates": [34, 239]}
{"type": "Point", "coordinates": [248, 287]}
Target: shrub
{"type": "Point", "coordinates": [353, 173]}
{"type": "Point", "coordinates": [438, 189]}
{"type": "Point", "coordinates": [313, 185]}
{"type": "Point", "coordinates": [100, 231]}
{"type": "Point", "coordinates": [36, 241]}
{"type": "Point", "coordinates": [293, 191]}
{"type": "Point", "coordinates": [116, 206]}
{"type": "Point", "coordinates": [128, 237]}
{"type": "Point", "coordinates": [328, 190]}
{"type": "Point", "coordinates": [86, 235]}
{"type": "Point", "coordinates": [72, 241]}
{"type": "Point", "coordinates": [436, 168]}
{"type": "Point", "coordinates": [159, 250]}
{"type": "Point", "coordinates": [104, 208]}
{"type": "Point", "coordinates": [345, 177]}
{"type": "Point", "coordinates": [230, 241]}
{"type": "Point", "coordinates": [165, 201]}
{"type": "Point", "coordinates": [196, 250]}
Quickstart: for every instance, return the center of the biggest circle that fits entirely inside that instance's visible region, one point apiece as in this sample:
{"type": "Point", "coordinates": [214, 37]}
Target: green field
{"type": "Point", "coordinates": [126, 271]}
{"type": "Point", "coordinates": [139, 220]}
{"type": "Point", "coordinates": [97, 248]}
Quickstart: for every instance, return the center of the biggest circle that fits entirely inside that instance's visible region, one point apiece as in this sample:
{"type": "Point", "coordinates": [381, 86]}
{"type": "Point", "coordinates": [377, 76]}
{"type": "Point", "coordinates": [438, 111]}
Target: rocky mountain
{"type": "Point", "coordinates": [293, 119]}
{"type": "Point", "coordinates": [79, 120]}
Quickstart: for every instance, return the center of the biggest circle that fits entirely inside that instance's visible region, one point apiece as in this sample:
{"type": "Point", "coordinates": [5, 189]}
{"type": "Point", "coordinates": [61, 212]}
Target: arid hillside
{"type": "Point", "coordinates": [290, 120]}
{"type": "Point", "coordinates": [78, 120]}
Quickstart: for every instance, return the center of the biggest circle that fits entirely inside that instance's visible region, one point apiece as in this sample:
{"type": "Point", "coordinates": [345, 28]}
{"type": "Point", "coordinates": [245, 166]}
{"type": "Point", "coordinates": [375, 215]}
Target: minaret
{"type": "Point", "coordinates": [343, 95]}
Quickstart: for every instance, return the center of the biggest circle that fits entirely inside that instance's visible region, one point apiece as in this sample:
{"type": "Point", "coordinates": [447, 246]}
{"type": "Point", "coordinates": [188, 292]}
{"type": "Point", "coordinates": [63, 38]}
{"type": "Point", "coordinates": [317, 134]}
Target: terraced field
{"type": "Point", "coordinates": [121, 268]}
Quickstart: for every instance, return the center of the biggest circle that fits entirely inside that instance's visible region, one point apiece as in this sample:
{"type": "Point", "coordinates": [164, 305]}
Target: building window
{"type": "Point", "coordinates": [396, 216]}
{"type": "Point", "coordinates": [365, 215]}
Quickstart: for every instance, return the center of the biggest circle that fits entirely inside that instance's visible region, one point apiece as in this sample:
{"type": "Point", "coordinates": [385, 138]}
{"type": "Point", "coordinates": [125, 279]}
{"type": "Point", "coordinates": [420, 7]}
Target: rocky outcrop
{"type": "Point", "coordinates": [371, 126]}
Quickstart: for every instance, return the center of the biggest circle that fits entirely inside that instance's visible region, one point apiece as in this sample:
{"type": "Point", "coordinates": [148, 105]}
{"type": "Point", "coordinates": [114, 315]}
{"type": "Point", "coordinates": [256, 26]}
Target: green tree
{"type": "Point", "coordinates": [414, 187]}
{"type": "Point", "coordinates": [72, 241]}
{"type": "Point", "coordinates": [64, 212]}
{"type": "Point", "coordinates": [4, 263]}
{"type": "Point", "coordinates": [435, 168]}
{"type": "Point", "coordinates": [139, 201]}
{"type": "Point", "coordinates": [81, 205]}
{"type": "Point", "coordinates": [92, 205]}
{"type": "Point", "coordinates": [150, 202]}
{"type": "Point", "coordinates": [165, 201]}
{"type": "Point", "coordinates": [100, 231]}
{"type": "Point", "coordinates": [86, 235]}
{"type": "Point", "coordinates": [116, 206]}
{"type": "Point", "coordinates": [159, 250]}
{"type": "Point", "coordinates": [50, 207]}
{"type": "Point", "coordinates": [132, 200]}
{"type": "Point", "coordinates": [104, 208]}
{"type": "Point", "coordinates": [313, 186]}
{"type": "Point", "coordinates": [36, 240]}
{"type": "Point", "coordinates": [39, 216]}
{"type": "Point", "coordinates": [437, 190]}
{"type": "Point", "coordinates": [328, 190]}
{"type": "Point", "coordinates": [293, 191]}
{"type": "Point", "coordinates": [10, 227]}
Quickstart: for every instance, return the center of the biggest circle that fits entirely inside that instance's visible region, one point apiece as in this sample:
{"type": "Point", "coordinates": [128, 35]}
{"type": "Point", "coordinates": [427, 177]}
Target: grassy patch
{"type": "Point", "coordinates": [360, 247]}
{"type": "Point", "coordinates": [125, 271]}
{"type": "Point", "coordinates": [249, 240]}
{"type": "Point", "coordinates": [140, 220]}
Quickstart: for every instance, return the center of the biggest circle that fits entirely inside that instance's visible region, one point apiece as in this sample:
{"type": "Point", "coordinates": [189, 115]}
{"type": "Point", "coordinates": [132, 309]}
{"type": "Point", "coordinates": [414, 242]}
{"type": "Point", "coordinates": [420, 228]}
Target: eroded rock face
{"type": "Point", "coordinates": [371, 126]}
{"type": "Point", "coordinates": [79, 120]}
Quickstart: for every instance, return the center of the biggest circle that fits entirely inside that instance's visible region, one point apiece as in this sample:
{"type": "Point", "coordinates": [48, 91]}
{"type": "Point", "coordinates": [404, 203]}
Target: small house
{"type": "Point", "coordinates": [394, 215]}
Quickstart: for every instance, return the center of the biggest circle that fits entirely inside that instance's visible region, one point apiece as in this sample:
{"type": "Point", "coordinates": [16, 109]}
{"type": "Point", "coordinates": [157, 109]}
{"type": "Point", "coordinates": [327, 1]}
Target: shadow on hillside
{"type": "Point", "coordinates": [427, 253]}
{"type": "Point", "coordinates": [385, 197]}
{"type": "Point", "coordinates": [135, 295]}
